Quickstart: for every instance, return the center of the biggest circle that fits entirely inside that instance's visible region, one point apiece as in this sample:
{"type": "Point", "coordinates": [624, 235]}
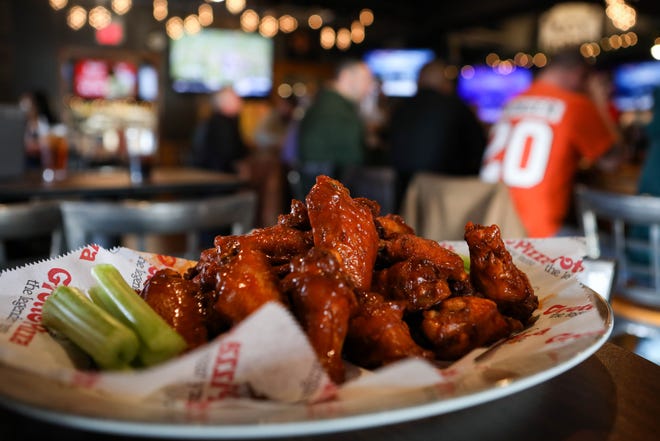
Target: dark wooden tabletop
{"type": "Point", "coordinates": [115, 182]}
{"type": "Point", "coordinates": [613, 395]}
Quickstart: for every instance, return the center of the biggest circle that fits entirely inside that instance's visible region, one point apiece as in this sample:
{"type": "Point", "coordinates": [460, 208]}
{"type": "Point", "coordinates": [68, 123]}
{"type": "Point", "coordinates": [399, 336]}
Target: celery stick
{"type": "Point", "coordinates": [111, 344]}
{"type": "Point", "coordinates": [159, 341]}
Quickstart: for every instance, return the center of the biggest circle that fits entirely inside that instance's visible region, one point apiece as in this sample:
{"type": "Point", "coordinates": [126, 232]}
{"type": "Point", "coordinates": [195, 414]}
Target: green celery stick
{"type": "Point", "coordinates": [110, 343]}
{"type": "Point", "coordinates": [159, 341]}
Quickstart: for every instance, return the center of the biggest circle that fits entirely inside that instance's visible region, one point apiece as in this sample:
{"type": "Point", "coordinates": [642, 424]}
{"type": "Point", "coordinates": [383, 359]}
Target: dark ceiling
{"type": "Point", "coordinates": [436, 23]}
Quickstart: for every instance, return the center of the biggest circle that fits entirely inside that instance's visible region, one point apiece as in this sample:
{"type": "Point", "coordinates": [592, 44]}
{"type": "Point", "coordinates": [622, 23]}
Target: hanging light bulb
{"type": "Point", "coordinates": [205, 14]}
{"type": "Point", "coordinates": [315, 21]}
{"type": "Point", "coordinates": [121, 7]}
{"type": "Point", "coordinates": [191, 24]}
{"type": "Point", "coordinates": [174, 28]}
{"type": "Point", "coordinates": [235, 6]}
{"type": "Point", "coordinates": [268, 26]}
{"type": "Point", "coordinates": [99, 17]}
{"type": "Point", "coordinates": [57, 4]}
{"type": "Point", "coordinates": [249, 20]}
{"type": "Point", "coordinates": [288, 23]}
{"type": "Point", "coordinates": [76, 17]}
{"type": "Point", "coordinates": [327, 37]}
{"type": "Point", "coordinates": [160, 10]}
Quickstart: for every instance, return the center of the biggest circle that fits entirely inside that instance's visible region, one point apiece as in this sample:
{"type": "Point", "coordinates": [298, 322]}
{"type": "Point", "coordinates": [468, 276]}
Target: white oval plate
{"type": "Point", "coordinates": [557, 341]}
{"type": "Point", "coordinates": [571, 323]}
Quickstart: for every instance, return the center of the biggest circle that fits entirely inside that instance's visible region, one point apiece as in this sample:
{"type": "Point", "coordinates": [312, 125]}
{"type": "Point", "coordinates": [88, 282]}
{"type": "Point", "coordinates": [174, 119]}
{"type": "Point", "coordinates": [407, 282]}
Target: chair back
{"type": "Point", "coordinates": [27, 221]}
{"type": "Point", "coordinates": [373, 182]}
{"type": "Point", "coordinates": [625, 228]}
{"type": "Point", "coordinates": [438, 206]}
{"type": "Point", "coordinates": [85, 221]}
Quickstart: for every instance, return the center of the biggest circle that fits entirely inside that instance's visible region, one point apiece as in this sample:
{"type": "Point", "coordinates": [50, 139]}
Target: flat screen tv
{"type": "Point", "coordinates": [213, 58]}
{"type": "Point", "coordinates": [97, 78]}
{"type": "Point", "coordinates": [397, 69]}
{"type": "Point", "coordinates": [634, 84]}
{"type": "Point", "coordinates": [488, 90]}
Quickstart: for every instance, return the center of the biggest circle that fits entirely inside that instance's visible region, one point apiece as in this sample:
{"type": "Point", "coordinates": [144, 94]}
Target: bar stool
{"type": "Point", "coordinates": [84, 221]}
{"type": "Point", "coordinates": [27, 221]}
{"type": "Point", "coordinates": [626, 228]}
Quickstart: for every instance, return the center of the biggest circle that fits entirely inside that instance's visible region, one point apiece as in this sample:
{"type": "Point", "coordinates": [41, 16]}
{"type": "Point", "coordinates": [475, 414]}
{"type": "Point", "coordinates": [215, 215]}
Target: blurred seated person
{"type": "Point", "coordinates": [39, 119]}
{"type": "Point", "coordinates": [545, 135]}
{"type": "Point", "coordinates": [332, 135]}
{"type": "Point", "coordinates": [218, 143]}
{"type": "Point", "coordinates": [435, 131]}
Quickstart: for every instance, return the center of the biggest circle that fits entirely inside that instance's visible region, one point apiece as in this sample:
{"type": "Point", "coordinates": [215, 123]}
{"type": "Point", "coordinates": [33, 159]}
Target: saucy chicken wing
{"type": "Point", "coordinates": [378, 335]}
{"type": "Point", "coordinates": [323, 301]}
{"type": "Point", "coordinates": [431, 258]}
{"type": "Point", "coordinates": [461, 324]}
{"type": "Point", "coordinates": [179, 302]}
{"type": "Point", "coordinates": [494, 274]}
{"type": "Point", "coordinates": [346, 226]}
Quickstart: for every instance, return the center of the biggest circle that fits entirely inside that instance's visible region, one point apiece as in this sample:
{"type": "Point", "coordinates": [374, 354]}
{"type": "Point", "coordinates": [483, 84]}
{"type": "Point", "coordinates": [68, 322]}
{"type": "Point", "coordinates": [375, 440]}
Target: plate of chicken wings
{"type": "Point", "coordinates": [396, 326]}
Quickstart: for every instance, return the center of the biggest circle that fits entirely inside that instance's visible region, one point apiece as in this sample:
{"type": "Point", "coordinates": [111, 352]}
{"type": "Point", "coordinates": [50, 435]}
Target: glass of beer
{"type": "Point", "coordinates": [55, 154]}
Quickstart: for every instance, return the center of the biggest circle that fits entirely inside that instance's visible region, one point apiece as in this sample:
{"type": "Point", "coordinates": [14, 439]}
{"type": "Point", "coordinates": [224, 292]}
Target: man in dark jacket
{"type": "Point", "coordinates": [219, 145]}
{"type": "Point", "coordinates": [435, 131]}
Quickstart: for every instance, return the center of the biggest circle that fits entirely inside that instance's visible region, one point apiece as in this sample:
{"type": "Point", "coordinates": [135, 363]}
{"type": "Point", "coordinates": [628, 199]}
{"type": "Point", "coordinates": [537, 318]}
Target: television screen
{"type": "Point", "coordinates": [213, 58]}
{"type": "Point", "coordinates": [96, 78]}
{"type": "Point", "coordinates": [397, 69]}
{"type": "Point", "coordinates": [147, 78]}
{"type": "Point", "coordinates": [634, 84]}
{"type": "Point", "coordinates": [488, 90]}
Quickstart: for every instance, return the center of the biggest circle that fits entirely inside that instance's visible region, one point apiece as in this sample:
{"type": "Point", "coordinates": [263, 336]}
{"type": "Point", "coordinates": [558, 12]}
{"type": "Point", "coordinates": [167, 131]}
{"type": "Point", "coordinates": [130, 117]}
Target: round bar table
{"type": "Point", "coordinates": [116, 183]}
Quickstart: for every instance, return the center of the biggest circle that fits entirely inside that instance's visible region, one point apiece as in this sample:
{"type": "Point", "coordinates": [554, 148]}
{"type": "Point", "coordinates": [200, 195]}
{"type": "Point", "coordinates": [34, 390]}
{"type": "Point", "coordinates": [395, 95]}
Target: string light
{"type": "Point", "coordinates": [160, 10]}
{"type": "Point", "coordinates": [288, 23]}
{"type": "Point", "coordinates": [343, 41]}
{"type": "Point", "coordinates": [57, 4]}
{"type": "Point", "coordinates": [315, 21]}
{"type": "Point", "coordinates": [205, 14]}
{"type": "Point", "coordinates": [235, 6]}
{"type": "Point", "coordinates": [191, 24]}
{"type": "Point", "coordinates": [99, 17]}
{"type": "Point", "coordinates": [174, 28]}
{"type": "Point", "coordinates": [327, 37]}
{"type": "Point", "coordinates": [249, 20]}
{"type": "Point", "coordinates": [268, 26]}
{"type": "Point", "coordinates": [121, 7]}
{"type": "Point", "coordinates": [76, 18]}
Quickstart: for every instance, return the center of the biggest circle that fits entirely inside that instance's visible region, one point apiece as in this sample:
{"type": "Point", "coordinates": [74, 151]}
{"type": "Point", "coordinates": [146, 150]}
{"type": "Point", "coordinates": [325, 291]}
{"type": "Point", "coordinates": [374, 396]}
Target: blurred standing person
{"type": "Point", "coordinates": [39, 119]}
{"type": "Point", "coordinates": [435, 131]}
{"type": "Point", "coordinates": [332, 132]}
{"type": "Point", "coordinates": [545, 135]}
{"type": "Point", "coordinates": [219, 144]}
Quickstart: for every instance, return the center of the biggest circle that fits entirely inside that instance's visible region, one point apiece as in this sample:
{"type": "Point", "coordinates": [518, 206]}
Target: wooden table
{"type": "Point", "coordinates": [116, 183]}
{"type": "Point", "coordinates": [613, 395]}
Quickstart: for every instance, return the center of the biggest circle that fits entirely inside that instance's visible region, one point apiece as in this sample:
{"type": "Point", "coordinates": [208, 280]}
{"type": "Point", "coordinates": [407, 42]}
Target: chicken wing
{"type": "Point", "coordinates": [446, 264]}
{"type": "Point", "coordinates": [180, 303]}
{"type": "Point", "coordinates": [461, 324]}
{"type": "Point", "coordinates": [378, 335]}
{"type": "Point", "coordinates": [494, 275]}
{"type": "Point", "coordinates": [243, 283]}
{"type": "Point", "coordinates": [346, 226]}
{"type": "Point", "coordinates": [323, 301]}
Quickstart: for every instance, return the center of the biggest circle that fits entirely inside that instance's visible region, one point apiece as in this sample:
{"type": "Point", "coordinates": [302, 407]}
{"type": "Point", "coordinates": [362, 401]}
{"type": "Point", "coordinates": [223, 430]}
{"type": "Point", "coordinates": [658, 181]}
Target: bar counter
{"type": "Point", "coordinates": [613, 395]}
